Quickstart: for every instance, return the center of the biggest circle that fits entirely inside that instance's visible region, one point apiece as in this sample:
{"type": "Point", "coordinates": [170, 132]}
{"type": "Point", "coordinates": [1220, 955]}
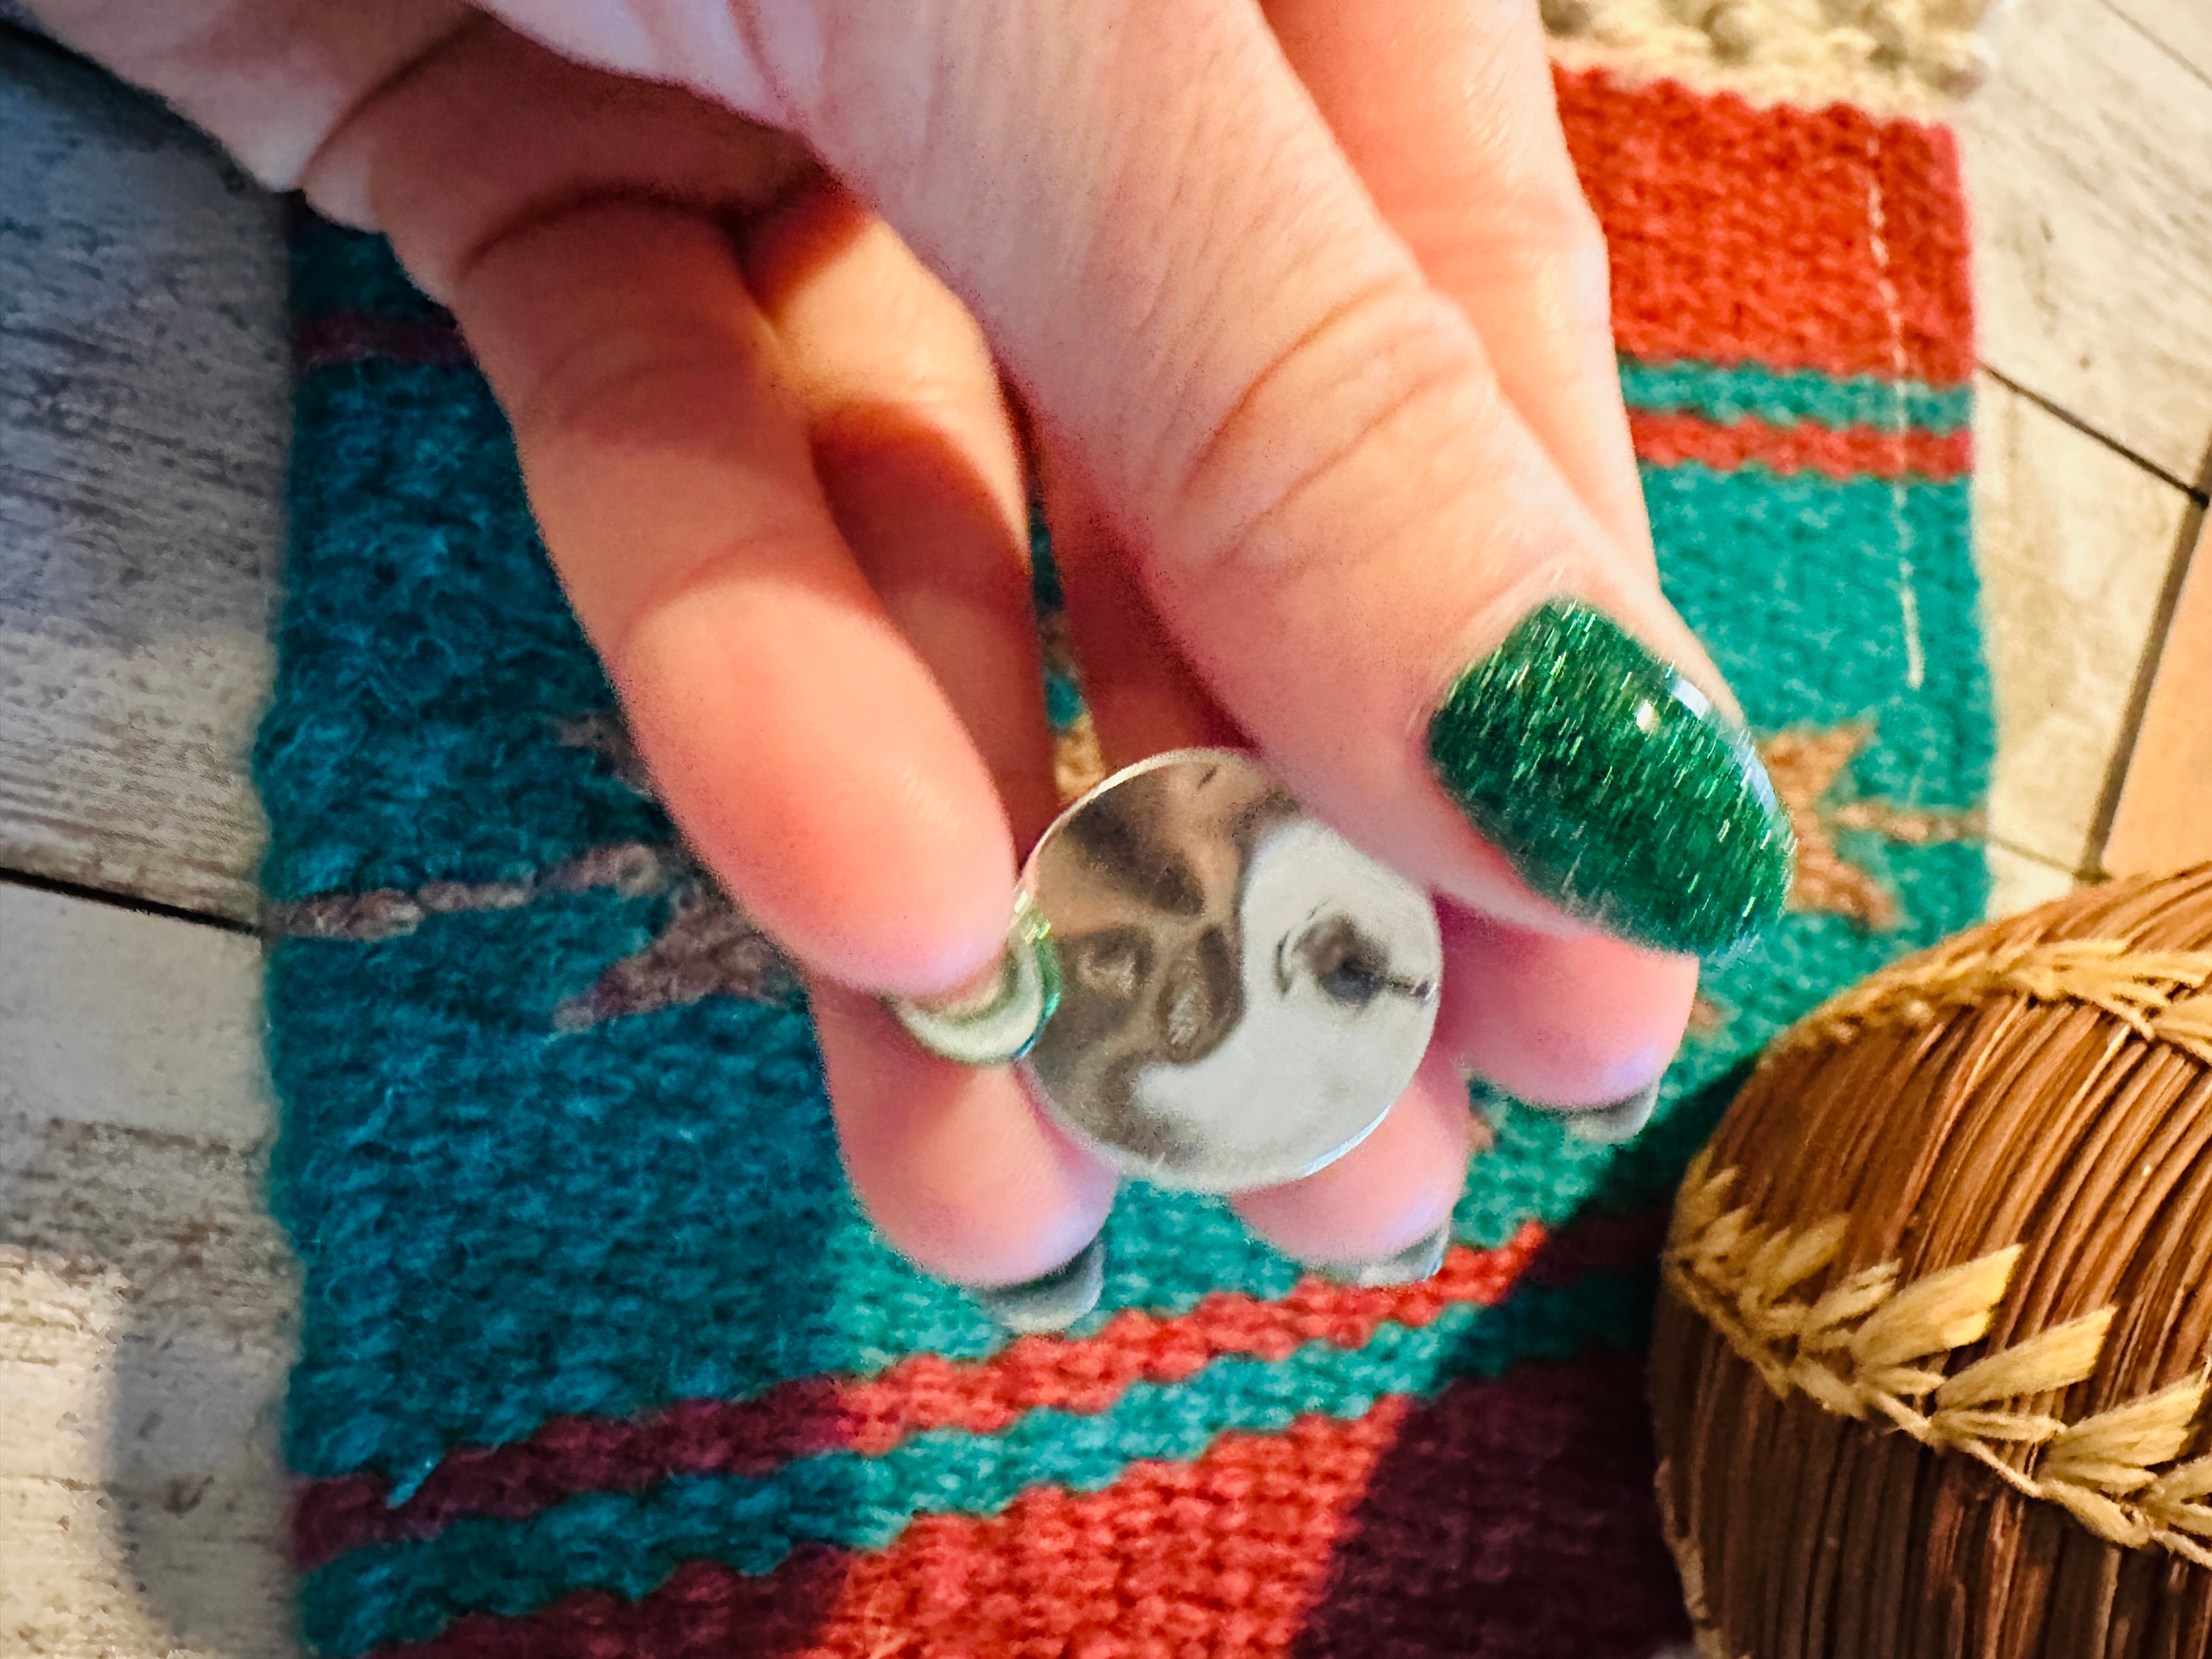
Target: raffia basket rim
{"type": "Point", "coordinates": [1875, 1346]}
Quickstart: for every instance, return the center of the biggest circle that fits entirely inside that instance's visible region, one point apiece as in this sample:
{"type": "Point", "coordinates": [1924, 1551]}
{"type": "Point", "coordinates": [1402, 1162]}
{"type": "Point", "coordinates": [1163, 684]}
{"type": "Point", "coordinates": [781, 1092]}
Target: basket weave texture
{"type": "Point", "coordinates": [1933, 1351]}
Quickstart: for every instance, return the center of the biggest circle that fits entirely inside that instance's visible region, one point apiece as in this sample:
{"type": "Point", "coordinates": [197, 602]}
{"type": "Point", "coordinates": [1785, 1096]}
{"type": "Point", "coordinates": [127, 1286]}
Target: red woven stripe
{"type": "Point", "coordinates": [1800, 240]}
{"type": "Point", "coordinates": [341, 338]}
{"type": "Point", "coordinates": [1512, 1518]}
{"type": "Point", "coordinates": [1163, 1555]}
{"type": "Point", "coordinates": [573, 1454]}
{"type": "Point", "coordinates": [1854, 451]}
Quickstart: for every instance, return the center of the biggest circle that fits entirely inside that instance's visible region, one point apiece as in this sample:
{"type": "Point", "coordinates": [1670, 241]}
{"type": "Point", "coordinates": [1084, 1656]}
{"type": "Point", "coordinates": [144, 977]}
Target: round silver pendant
{"type": "Point", "coordinates": [1243, 993]}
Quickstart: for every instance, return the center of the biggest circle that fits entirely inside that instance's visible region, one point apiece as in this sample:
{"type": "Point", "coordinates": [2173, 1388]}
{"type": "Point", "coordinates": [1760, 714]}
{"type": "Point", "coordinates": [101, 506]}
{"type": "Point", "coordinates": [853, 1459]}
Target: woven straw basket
{"type": "Point", "coordinates": [1931, 1365]}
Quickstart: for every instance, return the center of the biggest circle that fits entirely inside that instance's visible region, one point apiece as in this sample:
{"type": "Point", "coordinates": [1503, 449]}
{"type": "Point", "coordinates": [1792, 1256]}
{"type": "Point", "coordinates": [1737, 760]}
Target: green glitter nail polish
{"type": "Point", "coordinates": [1613, 785]}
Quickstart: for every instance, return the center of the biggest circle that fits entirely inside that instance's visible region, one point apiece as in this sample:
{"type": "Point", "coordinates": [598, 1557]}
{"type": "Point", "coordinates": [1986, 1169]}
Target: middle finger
{"type": "Point", "coordinates": [917, 459]}
{"type": "Point", "coordinates": [1446, 110]}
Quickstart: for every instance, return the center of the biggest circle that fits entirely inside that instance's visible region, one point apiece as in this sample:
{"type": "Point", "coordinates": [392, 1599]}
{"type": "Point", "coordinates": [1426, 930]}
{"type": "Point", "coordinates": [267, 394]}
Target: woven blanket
{"type": "Point", "coordinates": [601, 1358]}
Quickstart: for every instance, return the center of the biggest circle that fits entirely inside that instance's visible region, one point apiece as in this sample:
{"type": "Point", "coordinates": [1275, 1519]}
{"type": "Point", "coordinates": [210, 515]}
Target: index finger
{"type": "Point", "coordinates": [1351, 531]}
{"type": "Point", "coordinates": [1354, 536]}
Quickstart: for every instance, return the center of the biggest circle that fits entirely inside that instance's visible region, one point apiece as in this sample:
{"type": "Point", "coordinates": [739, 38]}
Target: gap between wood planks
{"type": "Point", "coordinates": [2196, 492]}
{"type": "Point", "coordinates": [116, 899]}
{"type": "Point", "coordinates": [2189, 30]}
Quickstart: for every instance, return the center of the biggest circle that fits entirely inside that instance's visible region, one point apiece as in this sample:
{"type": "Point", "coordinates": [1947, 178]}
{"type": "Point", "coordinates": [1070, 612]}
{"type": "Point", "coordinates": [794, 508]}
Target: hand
{"type": "Point", "coordinates": [1310, 321]}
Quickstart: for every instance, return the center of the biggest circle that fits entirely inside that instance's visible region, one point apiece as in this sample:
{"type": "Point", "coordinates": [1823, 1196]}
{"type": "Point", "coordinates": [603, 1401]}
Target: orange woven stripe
{"type": "Point", "coordinates": [1850, 259]}
{"type": "Point", "coordinates": [1225, 1555]}
{"type": "Point", "coordinates": [1089, 1375]}
{"type": "Point", "coordinates": [1511, 1516]}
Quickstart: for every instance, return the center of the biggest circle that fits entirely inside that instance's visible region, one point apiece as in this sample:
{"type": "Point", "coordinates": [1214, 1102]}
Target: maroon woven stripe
{"type": "Point", "coordinates": [348, 336]}
{"type": "Point", "coordinates": [1511, 1519]}
{"type": "Point", "coordinates": [1600, 1244]}
{"type": "Point", "coordinates": [573, 1454]}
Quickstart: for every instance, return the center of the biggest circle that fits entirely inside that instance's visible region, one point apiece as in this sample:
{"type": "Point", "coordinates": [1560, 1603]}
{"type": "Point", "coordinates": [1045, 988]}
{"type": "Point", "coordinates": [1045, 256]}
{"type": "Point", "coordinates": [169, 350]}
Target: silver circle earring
{"type": "Point", "coordinates": [1226, 993]}
{"type": "Point", "coordinates": [999, 1023]}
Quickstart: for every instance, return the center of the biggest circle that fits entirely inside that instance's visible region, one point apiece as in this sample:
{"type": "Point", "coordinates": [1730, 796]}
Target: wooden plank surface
{"type": "Point", "coordinates": [2076, 544]}
{"type": "Point", "coordinates": [2184, 28]}
{"type": "Point", "coordinates": [144, 400]}
{"type": "Point", "coordinates": [2088, 154]}
{"type": "Point", "coordinates": [147, 1300]}
{"type": "Point", "coordinates": [2020, 882]}
{"type": "Point", "coordinates": [2164, 821]}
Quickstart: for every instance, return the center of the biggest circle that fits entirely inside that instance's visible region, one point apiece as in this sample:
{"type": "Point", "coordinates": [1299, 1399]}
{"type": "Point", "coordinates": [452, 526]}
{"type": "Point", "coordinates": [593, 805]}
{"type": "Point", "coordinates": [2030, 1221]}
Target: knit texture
{"type": "Point", "coordinates": [600, 1357]}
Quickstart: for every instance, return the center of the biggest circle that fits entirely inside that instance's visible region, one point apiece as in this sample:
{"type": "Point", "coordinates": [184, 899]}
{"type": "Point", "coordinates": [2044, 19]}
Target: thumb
{"type": "Point", "coordinates": [1345, 525]}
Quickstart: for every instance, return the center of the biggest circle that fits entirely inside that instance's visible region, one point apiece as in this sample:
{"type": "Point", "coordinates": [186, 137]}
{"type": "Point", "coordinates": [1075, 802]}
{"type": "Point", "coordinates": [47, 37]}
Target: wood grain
{"type": "Point", "coordinates": [2164, 820]}
{"type": "Point", "coordinates": [2087, 156]}
{"type": "Point", "coordinates": [2076, 544]}
{"type": "Point", "coordinates": [147, 1300]}
{"type": "Point", "coordinates": [141, 424]}
{"type": "Point", "coordinates": [2184, 28]}
{"type": "Point", "coordinates": [2019, 881]}
{"type": "Point", "coordinates": [144, 400]}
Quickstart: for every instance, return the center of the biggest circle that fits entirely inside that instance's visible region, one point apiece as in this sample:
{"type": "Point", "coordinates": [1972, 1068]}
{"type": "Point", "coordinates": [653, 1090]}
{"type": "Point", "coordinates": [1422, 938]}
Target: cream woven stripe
{"type": "Point", "coordinates": [1887, 57]}
{"type": "Point", "coordinates": [2148, 991]}
{"type": "Point", "coordinates": [1869, 1346]}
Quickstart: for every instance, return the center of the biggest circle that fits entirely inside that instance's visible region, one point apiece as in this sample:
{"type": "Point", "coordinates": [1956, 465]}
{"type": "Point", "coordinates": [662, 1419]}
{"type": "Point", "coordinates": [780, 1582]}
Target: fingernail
{"type": "Point", "coordinates": [1608, 1126]}
{"type": "Point", "coordinates": [1053, 1301]}
{"type": "Point", "coordinates": [1417, 1261]}
{"type": "Point", "coordinates": [1614, 786]}
{"type": "Point", "coordinates": [997, 1018]}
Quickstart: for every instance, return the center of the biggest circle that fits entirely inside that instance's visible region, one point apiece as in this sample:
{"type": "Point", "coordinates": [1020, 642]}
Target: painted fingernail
{"type": "Point", "coordinates": [1614, 786]}
{"type": "Point", "coordinates": [1053, 1301]}
{"type": "Point", "coordinates": [999, 1018]}
{"type": "Point", "coordinates": [1417, 1261]}
{"type": "Point", "coordinates": [1608, 1126]}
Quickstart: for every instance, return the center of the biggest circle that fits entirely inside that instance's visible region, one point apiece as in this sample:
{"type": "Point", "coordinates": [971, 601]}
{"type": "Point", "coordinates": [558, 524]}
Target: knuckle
{"type": "Point", "coordinates": [1327, 431]}
{"type": "Point", "coordinates": [646, 372]}
{"type": "Point", "coordinates": [1562, 242]}
{"type": "Point", "coordinates": [866, 86]}
{"type": "Point", "coordinates": [636, 382]}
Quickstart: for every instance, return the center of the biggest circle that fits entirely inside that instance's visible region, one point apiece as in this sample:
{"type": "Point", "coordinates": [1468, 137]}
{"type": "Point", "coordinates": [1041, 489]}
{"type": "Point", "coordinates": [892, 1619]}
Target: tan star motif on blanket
{"type": "Point", "coordinates": [707, 947]}
{"type": "Point", "coordinates": [1805, 765]}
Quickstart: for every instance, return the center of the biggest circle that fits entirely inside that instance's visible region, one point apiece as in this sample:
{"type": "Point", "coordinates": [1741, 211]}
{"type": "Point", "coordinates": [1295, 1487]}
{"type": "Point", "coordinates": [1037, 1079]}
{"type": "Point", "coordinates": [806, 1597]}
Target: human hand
{"type": "Point", "coordinates": [1309, 320]}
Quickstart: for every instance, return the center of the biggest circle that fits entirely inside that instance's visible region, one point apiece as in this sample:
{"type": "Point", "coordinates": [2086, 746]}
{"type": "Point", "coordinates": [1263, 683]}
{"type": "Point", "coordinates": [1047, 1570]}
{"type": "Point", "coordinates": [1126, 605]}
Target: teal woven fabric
{"type": "Point", "coordinates": [598, 1354]}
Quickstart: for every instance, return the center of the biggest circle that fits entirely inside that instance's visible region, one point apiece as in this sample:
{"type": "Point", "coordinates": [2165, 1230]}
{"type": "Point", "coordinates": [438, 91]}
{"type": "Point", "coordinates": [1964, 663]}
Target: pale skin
{"type": "Point", "coordinates": [1307, 321]}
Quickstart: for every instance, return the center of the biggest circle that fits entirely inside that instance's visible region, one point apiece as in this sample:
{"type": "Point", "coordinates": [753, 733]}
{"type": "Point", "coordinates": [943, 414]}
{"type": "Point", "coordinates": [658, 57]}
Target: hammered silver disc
{"type": "Point", "coordinates": [1244, 993]}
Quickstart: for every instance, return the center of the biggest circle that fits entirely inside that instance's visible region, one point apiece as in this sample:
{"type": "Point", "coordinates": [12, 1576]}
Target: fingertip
{"type": "Point", "coordinates": [954, 1165]}
{"type": "Point", "coordinates": [1394, 1189]}
{"type": "Point", "coordinates": [812, 762]}
{"type": "Point", "coordinates": [1566, 1020]}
